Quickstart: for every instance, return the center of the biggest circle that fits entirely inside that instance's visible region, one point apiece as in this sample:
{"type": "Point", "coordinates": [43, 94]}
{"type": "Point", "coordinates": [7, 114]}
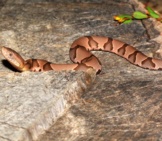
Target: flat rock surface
{"type": "Point", "coordinates": [31, 102]}
{"type": "Point", "coordinates": [123, 103]}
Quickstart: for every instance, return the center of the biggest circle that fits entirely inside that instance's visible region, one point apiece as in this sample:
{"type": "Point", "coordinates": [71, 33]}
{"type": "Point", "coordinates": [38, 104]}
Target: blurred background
{"type": "Point", "coordinates": [155, 4]}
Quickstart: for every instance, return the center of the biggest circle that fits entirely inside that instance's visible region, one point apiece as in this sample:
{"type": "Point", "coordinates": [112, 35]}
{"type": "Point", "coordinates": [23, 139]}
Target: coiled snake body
{"type": "Point", "coordinates": [82, 58]}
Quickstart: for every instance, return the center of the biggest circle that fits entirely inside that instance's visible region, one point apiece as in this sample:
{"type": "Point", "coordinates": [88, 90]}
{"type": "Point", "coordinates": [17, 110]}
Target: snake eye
{"type": "Point", "coordinates": [10, 54]}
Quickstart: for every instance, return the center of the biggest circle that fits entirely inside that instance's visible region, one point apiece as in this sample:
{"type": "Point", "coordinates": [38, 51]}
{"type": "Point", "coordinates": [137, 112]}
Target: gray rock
{"type": "Point", "coordinates": [31, 102]}
{"type": "Point", "coordinates": [122, 104]}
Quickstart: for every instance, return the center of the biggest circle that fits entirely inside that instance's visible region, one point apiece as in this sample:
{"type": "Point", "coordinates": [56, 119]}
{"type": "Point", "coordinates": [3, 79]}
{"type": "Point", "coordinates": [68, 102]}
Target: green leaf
{"type": "Point", "coordinates": [127, 21]}
{"type": "Point", "coordinates": [152, 13]}
{"type": "Point", "coordinates": [123, 16]}
{"type": "Point", "coordinates": [139, 15]}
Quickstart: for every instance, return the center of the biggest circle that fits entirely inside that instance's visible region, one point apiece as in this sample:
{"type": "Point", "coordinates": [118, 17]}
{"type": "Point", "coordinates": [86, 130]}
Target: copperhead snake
{"type": "Point", "coordinates": [82, 58]}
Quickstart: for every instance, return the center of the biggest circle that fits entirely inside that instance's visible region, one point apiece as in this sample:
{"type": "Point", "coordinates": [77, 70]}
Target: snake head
{"type": "Point", "coordinates": [13, 58]}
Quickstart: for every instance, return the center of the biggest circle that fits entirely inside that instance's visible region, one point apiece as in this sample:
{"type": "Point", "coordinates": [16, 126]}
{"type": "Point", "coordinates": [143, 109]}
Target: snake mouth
{"type": "Point", "coordinates": [13, 58]}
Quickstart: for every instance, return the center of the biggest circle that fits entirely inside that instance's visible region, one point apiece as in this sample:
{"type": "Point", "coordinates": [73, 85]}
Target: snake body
{"type": "Point", "coordinates": [82, 58]}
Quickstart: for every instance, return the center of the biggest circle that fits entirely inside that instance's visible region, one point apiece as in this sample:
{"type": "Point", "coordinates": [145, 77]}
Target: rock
{"type": "Point", "coordinates": [123, 103]}
{"type": "Point", "coordinates": [31, 102]}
